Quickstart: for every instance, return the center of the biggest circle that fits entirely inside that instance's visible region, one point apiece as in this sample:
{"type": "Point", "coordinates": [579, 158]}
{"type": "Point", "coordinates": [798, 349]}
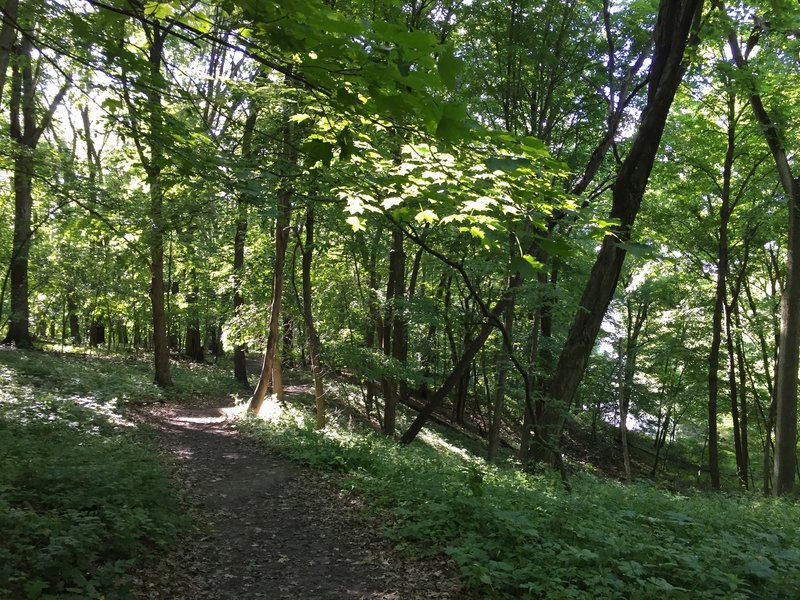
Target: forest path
{"type": "Point", "coordinates": [275, 530]}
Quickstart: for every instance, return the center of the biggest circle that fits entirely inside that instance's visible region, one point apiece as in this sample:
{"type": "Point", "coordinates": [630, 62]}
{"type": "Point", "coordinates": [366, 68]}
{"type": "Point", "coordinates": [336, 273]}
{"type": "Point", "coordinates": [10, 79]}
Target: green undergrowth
{"type": "Point", "coordinates": [113, 379]}
{"type": "Point", "coordinates": [83, 492]}
{"type": "Point", "coordinates": [517, 535]}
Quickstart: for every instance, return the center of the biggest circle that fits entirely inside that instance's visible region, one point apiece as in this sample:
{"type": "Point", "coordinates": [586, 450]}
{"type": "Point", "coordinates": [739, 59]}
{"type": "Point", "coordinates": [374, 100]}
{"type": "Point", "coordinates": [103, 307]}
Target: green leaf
{"type": "Point", "coordinates": [356, 223]}
{"type": "Point", "coordinates": [558, 248]}
{"type": "Point", "coordinates": [159, 10]}
{"type": "Point", "coordinates": [449, 67]}
{"type": "Point", "coordinates": [317, 150]}
{"type": "Point", "coordinates": [452, 124]}
{"type": "Point", "coordinates": [426, 216]}
{"type": "Point", "coordinates": [506, 163]}
{"type": "Point", "coordinates": [525, 265]}
{"type": "Point", "coordinates": [638, 249]}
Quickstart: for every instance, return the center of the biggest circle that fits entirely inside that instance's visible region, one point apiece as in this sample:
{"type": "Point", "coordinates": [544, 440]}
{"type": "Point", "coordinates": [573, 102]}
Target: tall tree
{"type": "Point", "coordinates": [150, 147]}
{"type": "Point", "coordinates": [789, 340]}
{"type": "Point", "coordinates": [27, 124]}
{"type": "Point", "coordinates": [674, 26]}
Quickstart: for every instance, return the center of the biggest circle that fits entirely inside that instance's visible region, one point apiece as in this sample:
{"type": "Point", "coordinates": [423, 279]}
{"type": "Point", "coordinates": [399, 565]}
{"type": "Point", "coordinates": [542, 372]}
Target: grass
{"type": "Point", "coordinates": [516, 535]}
{"type": "Point", "coordinates": [83, 492]}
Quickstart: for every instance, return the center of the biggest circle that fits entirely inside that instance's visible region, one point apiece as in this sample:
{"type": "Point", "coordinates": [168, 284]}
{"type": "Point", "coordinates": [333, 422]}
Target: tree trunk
{"type": "Point", "coordinates": [74, 320]}
{"type": "Point", "coordinates": [314, 348]}
{"type": "Point", "coordinates": [18, 331]}
{"type": "Point", "coordinates": [8, 33]}
{"type": "Point", "coordinates": [194, 342]}
{"type": "Point", "coordinates": [25, 132]}
{"type": "Point", "coordinates": [395, 339]}
{"type": "Point", "coordinates": [157, 221]}
{"type": "Point", "coordinates": [719, 298]}
{"type": "Point", "coordinates": [527, 417]}
{"type": "Point", "coordinates": [239, 350]}
{"type": "Point", "coordinates": [462, 366]}
{"type": "Point", "coordinates": [495, 427]}
{"type": "Point", "coordinates": [623, 393]}
{"type": "Point", "coordinates": [282, 226]}
{"type": "Point", "coordinates": [789, 338]}
{"type": "Point", "coordinates": [676, 19]}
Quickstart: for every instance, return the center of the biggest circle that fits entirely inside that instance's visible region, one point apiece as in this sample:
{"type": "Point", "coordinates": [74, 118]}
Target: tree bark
{"type": "Point", "coordinates": [789, 337]}
{"type": "Point", "coordinates": [676, 20]}
{"type": "Point", "coordinates": [282, 226]}
{"type": "Point", "coordinates": [25, 133]}
{"type": "Point", "coordinates": [500, 388]}
{"type": "Point", "coordinates": [314, 346]}
{"type": "Point", "coordinates": [153, 169]}
{"type": "Point", "coordinates": [462, 366]}
{"type": "Point", "coordinates": [395, 338]}
{"type": "Point", "coordinates": [240, 237]}
{"type": "Point", "coordinates": [8, 33]}
{"type": "Point", "coordinates": [719, 299]}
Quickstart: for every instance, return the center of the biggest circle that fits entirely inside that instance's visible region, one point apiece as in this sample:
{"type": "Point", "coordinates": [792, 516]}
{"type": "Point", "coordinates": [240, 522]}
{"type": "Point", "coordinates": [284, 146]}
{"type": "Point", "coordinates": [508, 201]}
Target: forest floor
{"type": "Point", "coordinates": [270, 528]}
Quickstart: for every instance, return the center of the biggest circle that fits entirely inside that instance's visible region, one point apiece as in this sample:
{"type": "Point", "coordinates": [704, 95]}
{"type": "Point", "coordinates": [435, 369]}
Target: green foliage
{"type": "Point", "coordinates": [516, 535]}
{"type": "Point", "coordinates": [82, 493]}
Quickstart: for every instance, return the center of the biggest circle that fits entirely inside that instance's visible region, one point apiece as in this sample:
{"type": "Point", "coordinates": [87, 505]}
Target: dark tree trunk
{"type": "Point", "coordinates": [18, 331]}
{"type": "Point", "coordinates": [461, 368]}
{"type": "Point", "coordinates": [676, 19]}
{"type": "Point", "coordinates": [97, 333]}
{"type": "Point", "coordinates": [239, 350]}
{"type": "Point", "coordinates": [719, 300]}
{"type": "Point", "coordinates": [8, 33]}
{"type": "Point", "coordinates": [194, 342]}
{"type": "Point", "coordinates": [314, 346]}
{"type": "Point", "coordinates": [157, 222]}
{"type": "Point", "coordinates": [744, 467]}
{"type": "Point", "coordinates": [395, 340]}
{"type": "Point", "coordinates": [25, 132]}
{"type": "Point", "coordinates": [74, 321]}
{"type": "Point", "coordinates": [500, 388]}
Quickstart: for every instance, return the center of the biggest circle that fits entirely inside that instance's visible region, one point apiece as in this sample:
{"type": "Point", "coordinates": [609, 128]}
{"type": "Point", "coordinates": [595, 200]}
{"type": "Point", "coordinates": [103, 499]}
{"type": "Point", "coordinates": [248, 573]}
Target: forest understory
{"type": "Point", "coordinates": [534, 264]}
{"type": "Point", "coordinates": [113, 488]}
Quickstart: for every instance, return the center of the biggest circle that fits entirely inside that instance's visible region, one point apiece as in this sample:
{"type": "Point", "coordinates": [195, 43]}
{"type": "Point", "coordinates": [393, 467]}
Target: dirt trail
{"type": "Point", "coordinates": [275, 530]}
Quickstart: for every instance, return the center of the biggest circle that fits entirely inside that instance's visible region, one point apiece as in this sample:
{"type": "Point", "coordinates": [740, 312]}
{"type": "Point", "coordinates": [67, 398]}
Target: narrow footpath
{"type": "Point", "coordinates": [273, 529]}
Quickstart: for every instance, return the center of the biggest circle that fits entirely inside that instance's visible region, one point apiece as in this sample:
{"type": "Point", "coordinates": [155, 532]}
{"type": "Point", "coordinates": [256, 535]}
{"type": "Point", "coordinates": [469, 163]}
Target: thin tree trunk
{"type": "Point", "coordinates": [194, 342]}
{"type": "Point", "coordinates": [158, 223]}
{"type": "Point", "coordinates": [623, 393]}
{"type": "Point", "coordinates": [719, 300]}
{"type": "Point", "coordinates": [462, 366]}
{"type": "Point", "coordinates": [314, 347]}
{"type": "Point", "coordinates": [527, 417]}
{"type": "Point", "coordinates": [789, 342]}
{"type": "Point", "coordinates": [240, 237]}
{"type": "Point", "coordinates": [74, 320]}
{"type": "Point", "coordinates": [8, 33]}
{"type": "Point", "coordinates": [744, 467]}
{"type": "Point", "coordinates": [500, 388]}
{"type": "Point", "coordinates": [282, 225]}
{"type": "Point", "coordinates": [394, 341]}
